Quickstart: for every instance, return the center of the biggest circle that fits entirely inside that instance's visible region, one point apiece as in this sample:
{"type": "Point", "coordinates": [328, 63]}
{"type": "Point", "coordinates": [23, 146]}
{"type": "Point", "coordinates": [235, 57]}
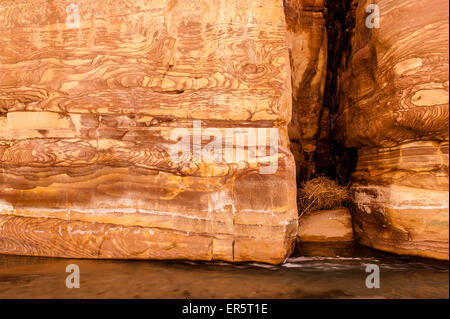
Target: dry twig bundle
{"type": "Point", "coordinates": [321, 193]}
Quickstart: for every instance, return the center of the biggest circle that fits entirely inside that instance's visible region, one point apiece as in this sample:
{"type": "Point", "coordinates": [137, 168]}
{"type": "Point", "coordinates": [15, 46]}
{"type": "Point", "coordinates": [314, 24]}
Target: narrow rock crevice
{"type": "Point", "coordinates": [331, 158]}
{"type": "Point", "coordinates": [319, 38]}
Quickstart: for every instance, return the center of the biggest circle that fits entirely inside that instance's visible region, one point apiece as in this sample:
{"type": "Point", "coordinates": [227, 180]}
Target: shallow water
{"type": "Point", "coordinates": [314, 271]}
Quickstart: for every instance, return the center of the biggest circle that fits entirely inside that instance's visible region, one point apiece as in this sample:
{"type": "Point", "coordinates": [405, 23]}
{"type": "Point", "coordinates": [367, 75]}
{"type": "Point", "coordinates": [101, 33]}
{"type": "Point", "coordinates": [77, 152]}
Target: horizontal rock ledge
{"type": "Point", "coordinates": [333, 225]}
{"type": "Point", "coordinates": [54, 237]}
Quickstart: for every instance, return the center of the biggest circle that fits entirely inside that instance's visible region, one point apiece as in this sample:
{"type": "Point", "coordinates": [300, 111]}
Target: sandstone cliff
{"type": "Point", "coordinates": [95, 97]}
{"type": "Point", "coordinates": [90, 97]}
{"type": "Point", "coordinates": [394, 99]}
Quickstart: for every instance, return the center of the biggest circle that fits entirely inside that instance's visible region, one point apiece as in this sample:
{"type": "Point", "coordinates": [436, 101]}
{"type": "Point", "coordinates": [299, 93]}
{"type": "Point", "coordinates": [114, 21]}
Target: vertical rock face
{"type": "Point", "coordinates": [307, 40]}
{"type": "Point", "coordinates": [394, 109]}
{"type": "Point", "coordinates": [94, 99]}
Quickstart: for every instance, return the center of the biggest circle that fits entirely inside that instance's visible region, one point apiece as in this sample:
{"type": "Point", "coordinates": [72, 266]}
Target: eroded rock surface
{"type": "Point", "coordinates": [307, 40]}
{"type": "Point", "coordinates": [88, 112]}
{"type": "Point", "coordinates": [334, 225]}
{"type": "Point", "coordinates": [394, 109]}
{"type": "Point", "coordinates": [86, 123]}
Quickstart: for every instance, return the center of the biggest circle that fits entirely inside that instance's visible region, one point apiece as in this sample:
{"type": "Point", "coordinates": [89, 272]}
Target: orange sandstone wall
{"type": "Point", "coordinates": [394, 98]}
{"type": "Point", "coordinates": [87, 115]}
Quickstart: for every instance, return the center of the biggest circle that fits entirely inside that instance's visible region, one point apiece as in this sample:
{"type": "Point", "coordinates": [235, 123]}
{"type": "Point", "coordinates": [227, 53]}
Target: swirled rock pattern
{"type": "Point", "coordinates": [87, 113]}
{"type": "Point", "coordinates": [394, 100]}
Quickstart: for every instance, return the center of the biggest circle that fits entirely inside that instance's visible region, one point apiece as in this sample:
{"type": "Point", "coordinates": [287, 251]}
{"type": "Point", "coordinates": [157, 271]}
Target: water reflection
{"type": "Point", "coordinates": [314, 271]}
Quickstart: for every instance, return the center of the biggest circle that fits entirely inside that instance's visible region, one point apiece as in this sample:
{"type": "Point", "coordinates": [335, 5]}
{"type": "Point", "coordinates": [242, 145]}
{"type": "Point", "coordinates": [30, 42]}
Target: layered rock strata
{"type": "Point", "coordinates": [93, 100]}
{"type": "Point", "coordinates": [394, 108]}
